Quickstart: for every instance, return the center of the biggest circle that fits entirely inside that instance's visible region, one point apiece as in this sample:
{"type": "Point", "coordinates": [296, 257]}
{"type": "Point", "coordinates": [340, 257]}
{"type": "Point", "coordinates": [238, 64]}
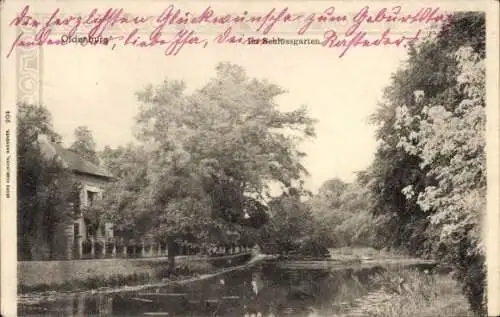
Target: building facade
{"type": "Point", "coordinates": [78, 238]}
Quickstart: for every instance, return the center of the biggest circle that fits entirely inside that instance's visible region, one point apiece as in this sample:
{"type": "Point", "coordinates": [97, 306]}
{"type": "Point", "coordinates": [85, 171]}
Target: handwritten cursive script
{"type": "Point", "coordinates": [345, 31]}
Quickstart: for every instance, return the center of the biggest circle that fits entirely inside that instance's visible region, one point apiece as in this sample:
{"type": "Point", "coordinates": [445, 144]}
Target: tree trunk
{"type": "Point", "coordinates": [172, 250]}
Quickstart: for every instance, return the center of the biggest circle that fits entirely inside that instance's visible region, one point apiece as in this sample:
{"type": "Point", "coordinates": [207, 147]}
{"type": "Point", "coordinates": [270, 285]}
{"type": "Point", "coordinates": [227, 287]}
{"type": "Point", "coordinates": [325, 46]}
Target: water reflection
{"type": "Point", "coordinates": [264, 291]}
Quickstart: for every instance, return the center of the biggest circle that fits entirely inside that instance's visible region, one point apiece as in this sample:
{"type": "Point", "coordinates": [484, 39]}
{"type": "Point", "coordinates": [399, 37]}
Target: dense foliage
{"type": "Point", "coordinates": [342, 212]}
{"type": "Point", "coordinates": [428, 178]}
{"type": "Point", "coordinates": [84, 145]}
{"type": "Point", "coordinates": [203, 162]}
{"type": "Point", "coordinates": [290, 221]}
{"type": "Point", "coordinates": [45, 188]}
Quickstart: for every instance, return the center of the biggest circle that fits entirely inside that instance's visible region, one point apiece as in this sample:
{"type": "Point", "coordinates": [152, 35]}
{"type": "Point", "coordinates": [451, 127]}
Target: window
{"type": "Point", "coordinates": [91, 197]}
{"type": "Point", "coordinates": [90, 231]}
{"type": "Point", "coordinates": [76, 229]}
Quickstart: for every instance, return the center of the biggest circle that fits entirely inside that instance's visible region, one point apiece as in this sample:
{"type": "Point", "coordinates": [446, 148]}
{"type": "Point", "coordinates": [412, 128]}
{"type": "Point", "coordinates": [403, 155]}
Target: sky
{"type": "Point", "coordinates": [96, 87]}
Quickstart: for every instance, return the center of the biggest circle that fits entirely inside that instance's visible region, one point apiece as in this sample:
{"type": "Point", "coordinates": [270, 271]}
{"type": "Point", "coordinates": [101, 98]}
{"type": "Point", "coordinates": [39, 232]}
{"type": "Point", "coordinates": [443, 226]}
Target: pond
{"type": "Point", "coordinates": [263, 290]}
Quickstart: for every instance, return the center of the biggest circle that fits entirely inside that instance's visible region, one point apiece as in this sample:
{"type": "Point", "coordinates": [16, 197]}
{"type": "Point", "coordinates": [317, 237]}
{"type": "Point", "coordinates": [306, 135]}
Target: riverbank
{"type": "Point", "coordinates": [66, 276]}
{"type": "Point", "coordinates": [357, 258]}
{"type": "Point", "coordinates": [35, 297]}
{"type": "Point", "coordinates": [356, 292]}
{"type": "Point", "coordinates": [411, 288]}
{"type": "Point", "coordinates": [411, 293]}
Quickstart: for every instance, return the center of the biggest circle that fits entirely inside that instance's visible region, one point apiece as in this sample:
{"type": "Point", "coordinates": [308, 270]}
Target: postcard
{"type": "Point", "coordinates": [246, 158]}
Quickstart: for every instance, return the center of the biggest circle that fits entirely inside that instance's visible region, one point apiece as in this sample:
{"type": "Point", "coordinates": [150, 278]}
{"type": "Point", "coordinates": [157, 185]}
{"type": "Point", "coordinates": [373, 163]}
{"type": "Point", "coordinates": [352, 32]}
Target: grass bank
{"type": "Point", "coordinates": [362, 253]}
{"type": "Point", "coordinates": [412, 293]}
{"type": "Point", "coordinates": [67, 276]}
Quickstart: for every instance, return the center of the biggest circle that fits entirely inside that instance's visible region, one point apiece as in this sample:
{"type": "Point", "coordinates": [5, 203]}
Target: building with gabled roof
{"type": "Point", "coordinates": [72, 238]}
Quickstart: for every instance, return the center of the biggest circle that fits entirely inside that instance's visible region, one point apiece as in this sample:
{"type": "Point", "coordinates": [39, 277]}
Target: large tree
{"type": "Point", "coordinates": [451, 146]}
{"type": "Point", "coordinates": [427, 121]}
{"type": "Point", "coordinates": [212, 156]}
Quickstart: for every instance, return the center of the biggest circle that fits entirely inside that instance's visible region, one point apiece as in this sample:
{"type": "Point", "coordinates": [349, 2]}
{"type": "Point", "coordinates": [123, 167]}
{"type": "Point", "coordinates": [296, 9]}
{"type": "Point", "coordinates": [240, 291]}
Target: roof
{"type": "Point", "coordinates": [75, 162]}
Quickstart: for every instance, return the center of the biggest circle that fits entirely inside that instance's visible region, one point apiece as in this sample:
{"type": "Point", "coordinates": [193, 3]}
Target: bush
{"type": "Point", "coordinates": [472, 274]}
{"type": "Point", "coordinates": [312, 248]}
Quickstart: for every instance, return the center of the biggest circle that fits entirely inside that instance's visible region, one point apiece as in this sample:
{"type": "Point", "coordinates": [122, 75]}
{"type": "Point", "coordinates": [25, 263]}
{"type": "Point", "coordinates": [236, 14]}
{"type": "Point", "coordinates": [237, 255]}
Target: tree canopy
{"type": "Point", "coordinates": [203, 162]}
{"type": "Point", "coordinates": [84, 144]}
{"type": "Point", "coordinates": [428, 178]}
{"type": "Point", "coordinates": [342, 213]}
